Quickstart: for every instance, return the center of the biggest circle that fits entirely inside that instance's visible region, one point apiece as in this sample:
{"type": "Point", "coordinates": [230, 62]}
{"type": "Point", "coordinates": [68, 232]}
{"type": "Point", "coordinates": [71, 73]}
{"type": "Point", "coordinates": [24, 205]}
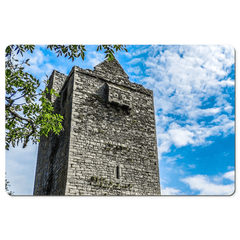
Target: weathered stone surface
{"type": "Point", "coordinates": [119, 95]}
{"type": "Point", "coordinates": [108, 145]}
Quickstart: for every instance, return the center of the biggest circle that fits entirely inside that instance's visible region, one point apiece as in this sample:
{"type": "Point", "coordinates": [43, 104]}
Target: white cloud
{"type": "Point", "coordinates": [228, 109]}
{"type": "Point", "coordinates": [149, 81]}
{"type": "Point", "coordinates": [173, 159]}
{"type": "Point", "coordinates": [206, 186]}
{"type": "Point", "coordinates": [140, 50]}
{"type": "Point", "coordinates": [164, 139]}
{"type": "Point", "coordinates": [134, 61]}
{"type": "Point", "coordinates": [135, 70]}
{"type": "Point", "coordinates": [37, 57]}
{"type": "Point", "coordinates": [164, 105]}
{"type": "Point", "coordinates": [126, 54]}
{"type": "Point", "coordinates": [95, 58]}
{"type": "Point", "coordinates": [181, 171]}
{"type": "Point", "coordinates": [203, 112]}
{"type": "Point", "coordinates": [170, 191]}
{"type": "Point", "coordinates": [229, 175]}
{"type": "Point", "coordinates": [39, 64]}
{"type": "Point", "coordinates": [183, 79]}
{"type": "Point", "coordinates": [163, 148]}
{"type": "Point", "coordinates": [192, 166]}
{"type": "Point", "coordinates": [181, 137]}
{"type": "Point", "coordinates": [226, 83]}
{"type": "Point", "coordinates": [230, 167]}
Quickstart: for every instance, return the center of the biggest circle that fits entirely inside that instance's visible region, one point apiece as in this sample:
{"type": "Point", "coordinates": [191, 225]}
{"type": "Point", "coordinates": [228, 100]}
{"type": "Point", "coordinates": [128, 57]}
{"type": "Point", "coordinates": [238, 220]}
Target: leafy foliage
{"type": "Point", "coordinates": [71, 51]}
{"type": "Point", "coordinates": [110, 50]}
{"type": "Point", "coordinates": [7, 185]}
{"type": "Point", "coordinates": [28, 111]}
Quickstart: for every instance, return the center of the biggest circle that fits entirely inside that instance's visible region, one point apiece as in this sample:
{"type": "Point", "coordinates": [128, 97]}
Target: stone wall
{"type": "Point", "coordinates": [52, 162]}
{"type": "Point", "coordinates": [108, 146]}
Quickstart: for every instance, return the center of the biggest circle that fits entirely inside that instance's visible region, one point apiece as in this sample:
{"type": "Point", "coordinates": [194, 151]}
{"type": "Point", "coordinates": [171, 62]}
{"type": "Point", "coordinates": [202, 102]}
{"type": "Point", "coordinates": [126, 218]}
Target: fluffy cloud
{"type": "Point", "coordinates": [180, 136]}
{"type": "Point", "coordinates": [40, 64]}
{"type": "Point", "coordinates": [189, 84]}
{"type": "Point", "coordinates": [135, 70]}
{"type": "Point", "coordinates": [170, 191]}
{"type": "Point", "coordinates": [203, 112]}
{"type": "Point", "coordinates": [207, 186]}
{"type": "Point", "coordinates": [191, 166]}
{"type": "Point", "coordinates": [229, 175]}
{"type": "Point", "coordinates": [38, 58]}
{"type": "Point", "coordinates": [140, 50]}
{"type": "Point", "coordinates": [95, 58]}
{"type": "Point", "coordinates": [173, 159]}
{"type": "Point", "coordinates": [135, 61]}
{"type": "Point", "coordinates": [230, 167]}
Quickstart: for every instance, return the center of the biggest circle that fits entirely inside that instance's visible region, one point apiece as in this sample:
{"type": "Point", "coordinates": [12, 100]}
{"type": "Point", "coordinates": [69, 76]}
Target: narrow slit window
{"type": "Point", "coordinates": [64, 96]}
{"type": "Point", "coordinates": [118, 172]}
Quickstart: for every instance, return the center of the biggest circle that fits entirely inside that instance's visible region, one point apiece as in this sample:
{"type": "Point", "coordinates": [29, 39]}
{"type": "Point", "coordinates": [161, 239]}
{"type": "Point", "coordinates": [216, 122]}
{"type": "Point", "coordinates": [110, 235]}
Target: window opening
{"type": "Point", "coordinates": [118, 172]}
{"type": "Point", "coordinates": [64, 96]}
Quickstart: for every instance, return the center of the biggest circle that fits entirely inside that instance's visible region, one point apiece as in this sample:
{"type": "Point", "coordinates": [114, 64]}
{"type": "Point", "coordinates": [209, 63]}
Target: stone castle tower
{"type": "Point", "coordinates": [108, 144]}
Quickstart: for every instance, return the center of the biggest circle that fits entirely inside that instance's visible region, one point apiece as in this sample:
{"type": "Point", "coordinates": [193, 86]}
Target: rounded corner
{"type": "Point", "coordinates": [8, 46]}
{"type": "Point", "coordinates": [234, 49]}
{"type": "Point", "coordinates": [234, 192]}
{"type": "Point", "coordinates": [9, 194]}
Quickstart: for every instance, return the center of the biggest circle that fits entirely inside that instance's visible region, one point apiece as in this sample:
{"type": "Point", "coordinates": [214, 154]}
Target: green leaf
{"type": "Point", "coordinates": [41, 115]}
{"type": "Point", "coordinates": [52, 91]}
{"type": "Point", "coordinates": [8, 73]}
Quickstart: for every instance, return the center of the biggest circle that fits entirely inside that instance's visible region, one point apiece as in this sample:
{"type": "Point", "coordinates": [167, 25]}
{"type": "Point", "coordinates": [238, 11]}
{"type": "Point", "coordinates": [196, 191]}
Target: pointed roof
{"type": "Point", "coordinates": [114, 73]}
{"type": "Point", "coordinates": [111, 67]}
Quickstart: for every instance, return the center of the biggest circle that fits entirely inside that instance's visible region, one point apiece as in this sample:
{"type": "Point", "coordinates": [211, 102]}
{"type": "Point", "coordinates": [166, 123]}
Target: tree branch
{"type": "Point", "coordinates": [27, 120]}
{"type": "Point", "coordinates": [19, 97]}
{"type": "Point", "coordinates": [22, 118]}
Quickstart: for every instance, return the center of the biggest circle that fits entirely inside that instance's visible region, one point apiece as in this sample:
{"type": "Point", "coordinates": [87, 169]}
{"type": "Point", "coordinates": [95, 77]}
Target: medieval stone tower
{"type": "Point", "coordinates": [108, 144]}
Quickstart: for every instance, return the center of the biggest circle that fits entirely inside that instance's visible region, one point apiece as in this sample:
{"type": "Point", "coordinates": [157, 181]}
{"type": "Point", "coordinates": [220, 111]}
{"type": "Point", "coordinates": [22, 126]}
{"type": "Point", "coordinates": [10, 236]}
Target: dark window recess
{"type": "Point", "coordinates": [64, 96]}
{"type": "Point", "coordinates": [118, 172]}
{"type": "Point", "coordinates": [58, 105]}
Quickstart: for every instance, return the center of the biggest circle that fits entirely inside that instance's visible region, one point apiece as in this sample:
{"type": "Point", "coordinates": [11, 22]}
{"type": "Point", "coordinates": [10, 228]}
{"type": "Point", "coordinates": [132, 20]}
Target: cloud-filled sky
{"type": "Point", "coordinates": [194, 88]}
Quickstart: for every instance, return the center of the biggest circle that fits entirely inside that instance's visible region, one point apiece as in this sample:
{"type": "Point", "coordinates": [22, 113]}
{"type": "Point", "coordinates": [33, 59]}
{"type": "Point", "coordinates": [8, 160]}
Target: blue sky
{"type": "Point", "coordinates": [194, 89]}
